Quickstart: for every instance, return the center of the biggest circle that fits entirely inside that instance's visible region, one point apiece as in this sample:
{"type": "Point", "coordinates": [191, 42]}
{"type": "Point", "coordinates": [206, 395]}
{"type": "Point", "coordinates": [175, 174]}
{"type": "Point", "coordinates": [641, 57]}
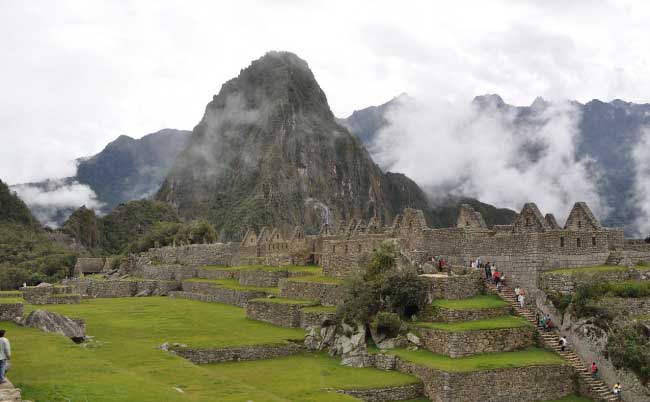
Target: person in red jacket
{"type": "Point", "coordinates": [594, 370]}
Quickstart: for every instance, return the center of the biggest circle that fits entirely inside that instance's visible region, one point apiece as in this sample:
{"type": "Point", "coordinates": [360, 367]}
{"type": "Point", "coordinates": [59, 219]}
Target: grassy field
{"type": "Point", "coordinates": [234, 284]}
{"type": "Point", "coordinates": [476, 302]}
{"type": "Point", "coordinates": [319, 309]}
{"type": "Point", "coordinates": [10, 293]}
{"type": "Point", "coordinates": [316, 279]}
{"type": "Point", "coordinates": [312, 269]}
{"type": "Point", "coordinates": [521, 358]}
{"type": "Point", "coordinates": [583, 270]}
{"type": "Point", "coordinates": [11, 300]}
{"type": "Point", "coordinates": [124, 363]}
{"type": "Point", "coordinates": [506, 321]}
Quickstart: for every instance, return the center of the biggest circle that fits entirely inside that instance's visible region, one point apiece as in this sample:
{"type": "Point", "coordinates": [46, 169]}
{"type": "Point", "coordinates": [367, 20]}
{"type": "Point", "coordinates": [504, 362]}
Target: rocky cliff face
{"type": "Point", "coordinates": [268, 151]}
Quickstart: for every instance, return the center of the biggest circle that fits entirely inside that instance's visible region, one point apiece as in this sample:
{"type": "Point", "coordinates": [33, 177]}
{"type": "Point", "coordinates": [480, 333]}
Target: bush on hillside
{"type": "Point", "coordinates": [404, 293]}
{"type": "Point", "coordinates": [169, 233]}
{"type": "Point", "coordinates": [388, 324]}
{"type": "Point", "coordinates": [383, 259]}
{"type": "Point", "coordinates": [629, 348]}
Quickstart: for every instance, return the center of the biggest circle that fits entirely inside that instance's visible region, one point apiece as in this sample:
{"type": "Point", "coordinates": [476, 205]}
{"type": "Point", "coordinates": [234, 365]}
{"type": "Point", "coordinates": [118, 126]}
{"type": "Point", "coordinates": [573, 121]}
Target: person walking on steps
{"type": "Point", "coordinates": [594, 371]}
{"type": "Point", "coordinates": [563, 343]}
{"type": "Point", "coordinates": [5, 355]}
{"type": "Point", "coordinates": [618, 391]}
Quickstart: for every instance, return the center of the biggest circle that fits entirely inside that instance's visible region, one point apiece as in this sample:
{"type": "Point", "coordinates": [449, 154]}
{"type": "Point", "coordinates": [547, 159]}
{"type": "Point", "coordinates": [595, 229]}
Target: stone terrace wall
{"type": "Point", "coordinates": [328, 294]}
{"type": "Point", "coordinates": [50, 295]}
{"type": "Point", "coordinates": [631, 306]}
{"type": "Point", "coordinates": [240, 353]}
{"type": "Point", "coordinates": [203, 273]}
{"type": "Point", "coordinates": [219, 294]}
{"type": "Point", "coordinates": [568, 283]}
{"type": "Point", "coordinates": [261, 278]}
{"type": "Point", "coordinates": [388, 394]}
{"type": "Point", "coordinates": [193, 255]}
{"type": "Point", "coordinates": [281, 314]}
{"type": "Point", "coordinates": [166, 272]}
{"type": "Point", "coordinates": [10, 311]}
{"type": "Point", "coordinates": [315, 318]}
{"type": "Point", "coordinates": [455, 287]}
{"type": "Point", "coordinates": [456, 315]}
{"type": "Point", "coordinates": [467, 343]}
{"type": "Point", "coordinates": [533, 383]}
{"type": "Point", "coordinates": [121, 288]}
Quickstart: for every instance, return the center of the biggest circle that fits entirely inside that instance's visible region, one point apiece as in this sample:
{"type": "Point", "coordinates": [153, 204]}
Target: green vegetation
{"type": "Point", "coordinates": [628, 347]}
{"type": "Point", "coordinates": [585, 300]}
{"type": "Point", "coordinates": [168, 233]}
{"type": "Point", "coordinates": [506, 321]}
{"type": "Point", "coordinates": [11, 300]}
{"type": "Point", "coordinates": [11, 293]}
{"type": "Point", "coordinates": [234, 284]}
{"type": "Point", "coordinates": [316, 279]}
{"type": "Point", "coordinates": [123, 362]}
{"type": "Point", "coordinates": [476, 302]}
{"type": "Point", "coordinates": [320, 309]}
{"type": "Point", "coordinates": [386, 323]}
{"type": "Point", "coordinates": [280, 300]}
{"type": "Point", "coordinates": [13, 209]}
{"type": "Point", "coordinates": [487, 361]}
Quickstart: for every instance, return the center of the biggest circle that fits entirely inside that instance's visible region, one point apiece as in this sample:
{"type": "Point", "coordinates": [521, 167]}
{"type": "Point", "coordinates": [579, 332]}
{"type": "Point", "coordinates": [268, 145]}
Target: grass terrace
{"type": "Point", "coordinates": [487, 361]}
{"type": "Point", "coordinates": [312, 269]}
{"type": "Point", "coordinates": [588, 270]}
{"type": "Point", "coordinates": [123, 363]}
{"type": "Point", "coordinates": [11, 300]}
{"type": "Point", "coordinates": [280, 300]}
{"type": "Point", "coordinates": [506, 321]}
{"type": "Point", "coordinates": [11, 293]}
{"type": "Point", "coordinates": [476, 302]}
{"type": "Point", "coordinates": [319, 309]}
{"type": "Point", "coordinates": [316, 279]}
{"type": "Point", "coordinates": [234, 285]}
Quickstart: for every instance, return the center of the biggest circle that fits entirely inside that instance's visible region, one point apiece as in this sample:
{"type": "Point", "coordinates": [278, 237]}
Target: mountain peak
{"type": "Point", "coordinates": [487, 100]}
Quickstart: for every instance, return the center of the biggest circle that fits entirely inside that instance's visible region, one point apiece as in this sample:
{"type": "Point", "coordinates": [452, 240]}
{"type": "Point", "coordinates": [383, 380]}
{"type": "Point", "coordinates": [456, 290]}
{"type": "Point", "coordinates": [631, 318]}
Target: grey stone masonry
{"type": "Point", "coordinates": [440, 314]}
{"type": "Point", "coordinates": [219, 294]}
{"type": "Point", "coordinates": [282, 314]}
{"type": "Point", "coordinates": [9, 311]}
{"type": "Point", "coordinates": [194, 255]}
{"type": "Point", "coordinates": [50, 295]}
{"type": "Point", "coordinates": [454, 287]}
{"type": "Point", "coordinates": [89, 288]}
{"type": "Point", "coordinates": [261, 277]}
{"type": "Point", "coordinates": [205, 273]}
{"type": "Point", "coordinates": [166, 272]}
{"type": "Point", "coordinates": [316, 318]}
{"type": "Point", "coordinates": [565, 283]}
{"type": "Point", "coordinates": [467, 343]}
{"type": "Point", "coordinates": [238, 353]}
{"type": "Point", "coordinates": [530, 384]}
{"type": "Point", "coordinates": [328, 294]}
{"type": "Point", "coordinates": [387, 394]}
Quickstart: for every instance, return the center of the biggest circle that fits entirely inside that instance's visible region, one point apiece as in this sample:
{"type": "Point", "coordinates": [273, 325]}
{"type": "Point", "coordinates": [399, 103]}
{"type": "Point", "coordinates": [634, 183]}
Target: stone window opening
{"type": "Point", "coordinates": [579, 224]}
{"type": "Point", "coordinates": [334, 249]}
{"type": "Point", "coordinates": [527, 221]}
{"type": "Point", "coordinates": [593, 240]}
{"type": "Point", "coordinates": [359, 247]}
{"type": "Point", "coordinates": [578, 242]}
{"type": "Point", "coordinates": [346, 249]}
{"type": "Point", "coordinates": [562, 241]}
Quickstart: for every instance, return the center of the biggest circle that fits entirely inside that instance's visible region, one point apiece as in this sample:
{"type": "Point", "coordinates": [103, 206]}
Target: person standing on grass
{"type": "Point", "coordinates": [5, 355]}
{"type": "Point", "coordinates": [594, 371]}
{"type": "Point", "coordinates": [618, 391]}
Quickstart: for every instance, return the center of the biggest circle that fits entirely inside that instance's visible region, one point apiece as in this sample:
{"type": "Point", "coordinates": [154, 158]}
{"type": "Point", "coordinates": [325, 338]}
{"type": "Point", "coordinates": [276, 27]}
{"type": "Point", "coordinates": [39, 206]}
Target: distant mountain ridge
{"type": "Point", "coordinates": [609, 132]}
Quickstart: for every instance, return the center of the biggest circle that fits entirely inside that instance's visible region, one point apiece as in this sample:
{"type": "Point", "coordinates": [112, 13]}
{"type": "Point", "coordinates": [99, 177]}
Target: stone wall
{"type": "Point", "coordinates": [120, 288]}
{"type": "Point", "coordinates": [316, 318]}
{"type": "Point", "coordinates": [387, 394]}
{"type": "Point", "coordinates": [91, 265]}
{"type": "Point", "coordinates": [568, 282]}
{"type": "Point", "coordinates": [194, 255]}
{"type": "Point", "coordinates": [628, 306]}
{"type": "Point", "coordinates": [224, 295]}
{"type": "Point", "coordinates": [530, 384]}
{"type": "Point", "coordinates": [203, 273]}
{"type": "Point", "coordinates": [50, 295]}
{"type": "Point", "coordinates": [467, 343]}
{"type": "Point", "coordinates": [328, 294]}
{"type": "Point", "coordinates": [341, 257]}
{"type": "Point", "coordinates": [455, 287]}
{"type": "Point", "coordinates": [440, 314]}
{"type": "Point", "coordinates": [164, 272]}
{"type": "Point", "coordinates": [281, 314]}
{"type": "Point", "coordinates": [10, 311]}
{"type": "Point", "coordinates": [239, 353]}
{"type": "Point", "coordinates": [261, 278]}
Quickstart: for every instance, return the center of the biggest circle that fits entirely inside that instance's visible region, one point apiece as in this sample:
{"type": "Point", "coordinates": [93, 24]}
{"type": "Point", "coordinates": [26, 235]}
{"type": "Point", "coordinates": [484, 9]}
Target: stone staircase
{"type": "Point", "coordinates": [598, 388]}
{"type": "Point", "coordinates": [615, 258]}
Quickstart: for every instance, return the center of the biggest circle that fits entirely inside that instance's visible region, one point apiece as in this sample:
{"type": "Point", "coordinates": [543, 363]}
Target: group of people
{"type": "Point", "coordinates": [545, 322]}
{"type": "Point", "coordinates": [492, 274]}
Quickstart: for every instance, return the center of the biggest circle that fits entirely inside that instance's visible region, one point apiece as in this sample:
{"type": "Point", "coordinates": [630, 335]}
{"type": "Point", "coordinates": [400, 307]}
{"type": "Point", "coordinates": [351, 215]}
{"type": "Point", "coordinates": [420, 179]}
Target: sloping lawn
{"type": "Point", "coordinates": [476, 302]}
{"type": "Point", "coordinates": [520, 358]}
{"type": "Point", "coordinates": [123, 363]}
{"type": "Point", "coordinates": [506, 321]}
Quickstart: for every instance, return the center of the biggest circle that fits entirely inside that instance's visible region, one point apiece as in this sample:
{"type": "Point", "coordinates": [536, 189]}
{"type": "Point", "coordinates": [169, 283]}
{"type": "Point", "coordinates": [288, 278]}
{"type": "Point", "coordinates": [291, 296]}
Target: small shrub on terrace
{"type": "Point", "coordinates": [388, 324]}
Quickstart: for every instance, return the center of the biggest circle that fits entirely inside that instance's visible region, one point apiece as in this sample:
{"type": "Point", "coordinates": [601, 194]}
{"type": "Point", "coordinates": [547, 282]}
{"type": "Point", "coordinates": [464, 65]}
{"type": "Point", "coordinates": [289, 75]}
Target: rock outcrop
{"type": "Point", "coordinates": [48, 321]}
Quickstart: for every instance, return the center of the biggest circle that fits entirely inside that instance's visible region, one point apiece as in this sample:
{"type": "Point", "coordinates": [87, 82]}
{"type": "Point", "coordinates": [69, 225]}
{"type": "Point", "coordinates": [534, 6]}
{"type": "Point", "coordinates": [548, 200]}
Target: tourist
{"type": "Point", "coordinates": [563, 343]}
{"type": "Point", "coordinates": [521, 299]}
{"type": "Point", "coordinates": [618, 391]}
{"type": "Point", "coordinates": [549, 324]}
{"type": "Point", "coordinates": [473, 264]}
{"type": "Point", "coordinates": [502, 279]}
{"type": "Point", "coordinates": [5, 355]}
{"type": "Point", "coordinates": [497, 279]}
{"type": "Point", "coordinates": [488, 274]}
{"type": "Point", "coordinates": [594, 371]}
{"type": "Point", "coordinates": [517, 291]}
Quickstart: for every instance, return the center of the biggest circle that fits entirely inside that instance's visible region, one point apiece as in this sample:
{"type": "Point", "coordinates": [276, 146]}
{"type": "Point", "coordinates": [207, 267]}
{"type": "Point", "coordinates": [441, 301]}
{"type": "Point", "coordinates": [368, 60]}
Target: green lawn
{"type": "Point", "coordinates": [234, 284]}
{"type": "Point", "coordinates": [281, 300]}
{"type": "Point", "coordinates": [320, 309]}
{"type": "Point", "coordinates": [506, 321]}
{"type": "Point", "coordinates": [476, 302]}
{"type": "Point", "coordinates": [316, 279]}
{"type": "Point", "coordinates": [487, 361]}
{"type": "Point", "coordinates": [11, 300]}
{"type": "Point", "coordinates": [123, 362]}
{"type": "Point", "coordinates": [312, 269]}
{"type": "Point", "coordinates": [583, 270]}
{"type": "Point", "coordinates": [10, 293]}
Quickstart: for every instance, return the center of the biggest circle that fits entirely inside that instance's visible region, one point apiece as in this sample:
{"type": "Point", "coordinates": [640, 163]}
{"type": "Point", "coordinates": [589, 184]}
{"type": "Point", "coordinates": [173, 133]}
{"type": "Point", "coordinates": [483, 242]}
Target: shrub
{"type": "Point", "coordinates": [629, 348]}
{"type": "Point", "coordinates": [560, 301]}
{"type": "Point", "coordinates": [167, 233]}
{"type": "Point", "coordinates": [387, 324]}
{"type": "Point", "coordinates": [360, 302]}
{"type": "Point", "coordinates": [404, 293]}
{"type": "Point", "coordinates": [383, 259]}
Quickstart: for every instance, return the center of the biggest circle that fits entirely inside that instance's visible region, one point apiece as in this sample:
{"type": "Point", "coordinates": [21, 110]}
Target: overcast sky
{"type": "Point", "coordinates": [76, 74]}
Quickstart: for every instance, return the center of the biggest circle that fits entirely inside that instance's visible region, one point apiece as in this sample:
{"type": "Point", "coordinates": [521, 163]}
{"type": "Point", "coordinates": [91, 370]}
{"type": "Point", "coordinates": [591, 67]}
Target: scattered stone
{"type": "Point", "coordinates": [48, 321]}
{"type": "Point", "coordinates": [165, 347]}
{"type": "Point", "coordinates": [179, 390]}
{"type": "Point", "coordinates": [413, 338]}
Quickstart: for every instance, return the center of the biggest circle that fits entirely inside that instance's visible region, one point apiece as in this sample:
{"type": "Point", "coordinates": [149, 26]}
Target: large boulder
{"type": "Point", "coordinates": [320, 338]}
{"type": "Point", "coordinates": [350, 344]}
{"type": "Point", "coordinates": [48, 321]}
